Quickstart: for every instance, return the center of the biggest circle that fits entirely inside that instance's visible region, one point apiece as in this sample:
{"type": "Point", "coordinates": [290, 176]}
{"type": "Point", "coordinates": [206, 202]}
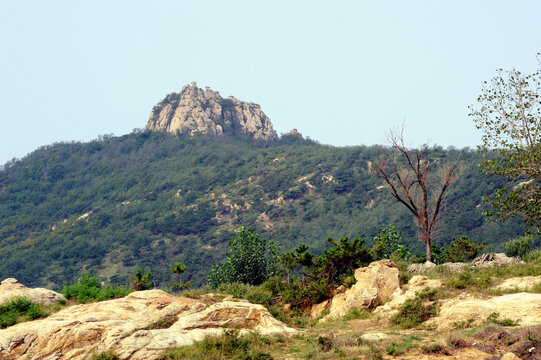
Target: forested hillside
{"type": "Point", "coordinates": [149, 199]}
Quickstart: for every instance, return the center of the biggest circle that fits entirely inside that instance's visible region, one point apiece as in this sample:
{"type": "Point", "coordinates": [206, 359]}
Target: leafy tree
{"type": "Point", "coordinates": [179, 268]}
{"type": "Point", "coordinates": [410, 184]}
{"type": "Point", "coordinates": [509, 114]}
{"type": "Point", "coordinates": [388, 244]}
{"type": "Point", "coordinates": [250, 260]}
{"type": "Point", "coordinates": [141, 282]}
{"type": "Point", "coordinates": [462, 249]}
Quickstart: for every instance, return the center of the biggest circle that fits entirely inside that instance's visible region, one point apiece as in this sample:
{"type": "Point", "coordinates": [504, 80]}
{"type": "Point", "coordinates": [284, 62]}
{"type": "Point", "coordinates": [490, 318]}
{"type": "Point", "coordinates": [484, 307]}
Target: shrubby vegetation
{"type": "Point", "coordinates": [88, 288]}
{"type": "Point", "coordinates": [19, 310]}
{"type": "Point", "coordinates": [153, 199]}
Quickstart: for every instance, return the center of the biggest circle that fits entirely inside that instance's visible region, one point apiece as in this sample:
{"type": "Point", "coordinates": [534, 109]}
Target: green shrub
{"type": "Point", "coordinates": [88, 288]}
{"type": "Point", "coordinates": [495, 319]}
{"type": "Point", "coordinates": [355, 313]}
{"type": "Point", "coordinates": [18, 310]}
{"type": "Point", "coordinates": [107, 355]}
{"type": "Point", "coordinates": [518, 247]}
{"type": "Point", "coordinates": [462, 250]}
{"type": "Point", "coordinates": [417, 309]}
{"type": "Point", "coordinates": [399, 348]}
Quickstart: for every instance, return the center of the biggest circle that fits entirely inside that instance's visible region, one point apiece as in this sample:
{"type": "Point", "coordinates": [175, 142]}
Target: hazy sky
{"type": "Point", "coordinates": [341, 72]}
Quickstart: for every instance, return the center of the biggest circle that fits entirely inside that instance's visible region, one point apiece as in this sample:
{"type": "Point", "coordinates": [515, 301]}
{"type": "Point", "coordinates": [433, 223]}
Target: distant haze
{"type": "Point", "coordinates": [340, 72]}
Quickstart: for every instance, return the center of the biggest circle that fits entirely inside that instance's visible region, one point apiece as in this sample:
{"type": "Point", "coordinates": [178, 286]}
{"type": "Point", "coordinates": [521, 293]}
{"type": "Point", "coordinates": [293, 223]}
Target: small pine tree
{"type": "Point", "coordinates": [179, 268]}
{"type": "Point", "coordinates": [139, 282]}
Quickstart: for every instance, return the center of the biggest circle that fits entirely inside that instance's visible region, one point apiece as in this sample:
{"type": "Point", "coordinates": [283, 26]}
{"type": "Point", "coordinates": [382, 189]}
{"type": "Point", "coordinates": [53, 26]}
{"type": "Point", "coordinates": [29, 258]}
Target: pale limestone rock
{"type": "Point", "coordinates": [194, 110]}
{"type": "Point", "coordinates": [510, 356]}
{"type": "Point", "coordinates": [519, 283]}
{"type": "Point", "coordinates": [375, 284]}
{"type": "Point", "coordinates": [416, 284]}
{"type": "Point", "coordinates": [11, 288]}
{"type": "Point", "coordinates": [126, 326]}
{"type": "Point", "coordinates": [523, 308]}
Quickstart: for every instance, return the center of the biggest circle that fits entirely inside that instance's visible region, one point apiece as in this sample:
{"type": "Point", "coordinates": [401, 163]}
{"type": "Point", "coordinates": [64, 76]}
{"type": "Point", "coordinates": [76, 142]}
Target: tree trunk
{"type": "Point", "coordinates": [428, 250]}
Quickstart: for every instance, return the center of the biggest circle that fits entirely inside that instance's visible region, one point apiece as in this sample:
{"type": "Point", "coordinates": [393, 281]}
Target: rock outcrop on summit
{"type": "Point", "coordinates": [195, 110]}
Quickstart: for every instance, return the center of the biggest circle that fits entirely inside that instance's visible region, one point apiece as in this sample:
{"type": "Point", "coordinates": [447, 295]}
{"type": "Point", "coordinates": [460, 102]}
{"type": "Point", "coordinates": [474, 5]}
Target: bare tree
{"type": "Point", "coordinates": [410, 182]}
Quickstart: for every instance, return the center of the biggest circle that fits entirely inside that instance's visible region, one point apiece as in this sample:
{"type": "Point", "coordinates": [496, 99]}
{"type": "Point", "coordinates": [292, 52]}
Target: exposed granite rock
{"type": "Point", "coordinates": [416, 284]}
{"type": "Point", "coordinates": [375, 283]}
{"type": "Point", "coordinates": [11, 288]}
{"type": "Point", "coordinates": [139, 326]}
{"type": "Point", "coordinates": [522, 308]}
{"type": "Point", "coordinates": [195, 110]}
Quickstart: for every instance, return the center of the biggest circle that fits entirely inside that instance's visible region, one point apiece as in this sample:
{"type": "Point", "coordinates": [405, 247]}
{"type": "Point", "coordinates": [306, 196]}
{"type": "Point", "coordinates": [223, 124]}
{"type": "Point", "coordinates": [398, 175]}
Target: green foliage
{"type": "Point", "coordinates": [154, 199]}
{"type": "Point", "coordinates": [462, 250]}
{"type": "Point", "coordinates": [227, 346]}
{"type": "Point", "coordinates": [417, 309]}
{"type": "Point", "coordinates": [299, 256]}
{"type": "Point", "coordinates": [355, 313]}
{"type": "Point", "coordinates": [250, 260]}
{"type": "Point", "coordinates": [388, 244]}
{"type": "Point", "coordinates": [179, 269]}
{"type": "Point", "coordinates": [340, 261]}
{"type": "Point", "coordinates": [509, 114]}
{"type": "Point", "coordinates": [140, 282]}
{"type": "Point", "coordinates": [519, 247]}
{"type": "Point", "coordinates": [88, 288]}
{"type": "Point", "coordinates": [495, 319]}
{"type": "Point", "coordinates": [399, 348]}
{"type": "Point", "coordinates": [107, 355]}
{"type": "Point", "coordinates": [18, 310]}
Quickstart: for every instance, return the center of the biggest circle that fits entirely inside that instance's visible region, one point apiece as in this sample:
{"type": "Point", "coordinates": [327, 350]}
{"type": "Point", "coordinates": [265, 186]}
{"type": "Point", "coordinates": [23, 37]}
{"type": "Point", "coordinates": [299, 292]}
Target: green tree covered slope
{"type": "Point", "coordinates": [149, 199]}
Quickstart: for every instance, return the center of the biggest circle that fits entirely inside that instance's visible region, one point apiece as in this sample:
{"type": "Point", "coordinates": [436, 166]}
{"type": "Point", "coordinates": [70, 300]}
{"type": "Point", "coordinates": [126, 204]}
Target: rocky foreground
{"type": "Point", "coordinates": [139, 326]}
{"type": "Point", "coordinates": [144, 324]}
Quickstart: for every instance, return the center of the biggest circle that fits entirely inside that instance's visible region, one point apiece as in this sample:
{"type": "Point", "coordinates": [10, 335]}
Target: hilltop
{"type": "Point", "coordinates": [178, 193]}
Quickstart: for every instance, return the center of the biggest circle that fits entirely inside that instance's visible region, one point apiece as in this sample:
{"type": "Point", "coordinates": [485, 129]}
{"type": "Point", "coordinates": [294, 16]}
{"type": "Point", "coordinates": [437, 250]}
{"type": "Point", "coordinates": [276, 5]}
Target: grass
{"type": "Point", "coordinates": [107, 355]}
{"type": "Point", "coordinates": [227, 346]}
{"type": "Point", "coordinates": [417, 310]}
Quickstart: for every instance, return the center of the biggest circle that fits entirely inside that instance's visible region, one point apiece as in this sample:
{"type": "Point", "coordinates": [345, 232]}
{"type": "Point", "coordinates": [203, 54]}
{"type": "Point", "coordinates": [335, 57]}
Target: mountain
{"type": "Point", "coordinates": [194, 110]}
{"type": "Point", "coordinates": [151, 198]}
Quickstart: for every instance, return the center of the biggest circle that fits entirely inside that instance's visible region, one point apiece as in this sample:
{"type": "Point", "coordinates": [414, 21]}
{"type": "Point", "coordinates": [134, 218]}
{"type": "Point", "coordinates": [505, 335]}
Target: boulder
{"type": "Point", "coordinates": [139, 326]}
{"type": "Point", "coordinates": [417, 268]}
{"type": "Point", "coordinates": [11, 288]}
{"type": "Point", "coordinates": [375, 284]}
{"type": "Point", "coordinates": [492, 259]}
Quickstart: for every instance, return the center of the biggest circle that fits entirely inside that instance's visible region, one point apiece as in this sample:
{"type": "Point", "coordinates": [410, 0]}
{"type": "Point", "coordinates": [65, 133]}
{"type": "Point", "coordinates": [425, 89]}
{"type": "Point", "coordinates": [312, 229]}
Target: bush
{"type": "Point", "coordinates": [518, 247]}
{"type": "Point", "coordinates": [88, 288]}
{"type": "Point", "coordinates": [462, 250]}
{"type": "Point", "coordinates": [18, 310]}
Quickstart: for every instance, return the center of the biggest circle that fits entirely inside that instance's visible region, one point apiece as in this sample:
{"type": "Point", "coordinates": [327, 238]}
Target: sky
{"type": "Point", "coordinates": [341, 72]}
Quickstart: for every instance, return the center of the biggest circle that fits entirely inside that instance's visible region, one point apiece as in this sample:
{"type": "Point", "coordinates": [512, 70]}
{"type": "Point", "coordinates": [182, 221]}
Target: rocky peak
{"type": "Point", "coordinates": [194, 110]}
